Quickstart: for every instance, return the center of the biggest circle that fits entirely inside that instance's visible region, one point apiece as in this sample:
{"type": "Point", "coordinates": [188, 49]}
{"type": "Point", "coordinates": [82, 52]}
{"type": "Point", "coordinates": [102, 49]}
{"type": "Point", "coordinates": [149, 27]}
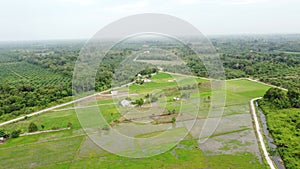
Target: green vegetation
{"type": "Point", "coordinates": [61, 150]}
{"type": "Point", "coordinates": [9, 134]}
{"type": "Point", "coordinates": [139, 102]}
{"type": "Point", "coordinates": [283, 99]}
{"type": "Point", "coordinates": [272, 59]}
{"type": "Point", "coordinates": [15, 133]}
{"type": "Point", "coordinates": [39, 153]}
{"type": "Point", "coordinates": [186, 154]}
{"type": "Point", "coordinates": [36, 75]}
{"type": "Point", "coordinates": [4, 133]}
{"type": "Point", "coordinates": [284, 123]}
{"type": "Point", "coordinates": [32, 127]}
{"type": "Point", "coordinates": [178, 157]}
{"type": "Point", "coordinates": [173, 119]}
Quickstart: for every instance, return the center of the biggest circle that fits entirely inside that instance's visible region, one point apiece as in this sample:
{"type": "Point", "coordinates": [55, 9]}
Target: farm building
{"type": "Point", "coordinates": [114, 92]}
{"type": "Point", "coordinates": [147, 80]}
{"type": "Point", "coordinates": [125, 103]}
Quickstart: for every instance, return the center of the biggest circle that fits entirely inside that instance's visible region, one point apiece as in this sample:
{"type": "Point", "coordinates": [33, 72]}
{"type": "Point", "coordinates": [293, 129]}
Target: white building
{"type": "Point", "coordinates": [114, 92]}
{"type": "Point", "coordinates": [147, 80]}
{"type": "Point", "coordinates": [125, 103]}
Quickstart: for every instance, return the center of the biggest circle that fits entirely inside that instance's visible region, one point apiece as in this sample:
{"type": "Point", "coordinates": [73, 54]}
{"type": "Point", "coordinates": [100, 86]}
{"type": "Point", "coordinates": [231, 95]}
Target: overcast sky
{"type": "Point", "coordinates": [73, 19]}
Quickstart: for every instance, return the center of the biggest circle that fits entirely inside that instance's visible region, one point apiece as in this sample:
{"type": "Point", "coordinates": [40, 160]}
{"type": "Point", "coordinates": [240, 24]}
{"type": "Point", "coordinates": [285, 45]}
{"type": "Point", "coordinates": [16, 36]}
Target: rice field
{"type": "Point", "coordinates": [232, 145]}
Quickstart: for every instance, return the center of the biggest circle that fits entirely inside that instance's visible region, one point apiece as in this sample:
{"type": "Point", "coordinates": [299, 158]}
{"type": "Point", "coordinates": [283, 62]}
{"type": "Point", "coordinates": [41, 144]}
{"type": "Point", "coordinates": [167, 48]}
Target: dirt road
{"type": "Point", "coordinates": [258, 132]}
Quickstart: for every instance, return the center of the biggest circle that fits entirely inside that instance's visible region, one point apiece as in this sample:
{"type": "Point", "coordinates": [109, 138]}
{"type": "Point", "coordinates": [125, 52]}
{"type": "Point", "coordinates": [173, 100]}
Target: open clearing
{"type": "Point", "coordinates": [233, 144]}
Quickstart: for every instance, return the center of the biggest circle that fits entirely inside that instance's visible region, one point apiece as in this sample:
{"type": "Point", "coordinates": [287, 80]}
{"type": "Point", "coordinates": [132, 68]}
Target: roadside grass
{"type": "Point", "coordinates": [39, 138]}
{"type": "Point", "coordinates": [60, 119]}
{"type": "Point", "coordinates": [50, 120]}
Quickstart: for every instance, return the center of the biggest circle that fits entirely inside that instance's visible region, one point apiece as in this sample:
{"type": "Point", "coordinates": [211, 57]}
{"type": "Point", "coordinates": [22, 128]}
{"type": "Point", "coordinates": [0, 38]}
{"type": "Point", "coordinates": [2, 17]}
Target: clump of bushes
{"type": "Point", "coordinates": [13, 134]}
{"type": "Point", "coordinates": [32, 127]}
{"type": "Point", "coordinates": [173, 120]}
{"type": "Point", "coordinates": [171, 111]}
{"type": "Point", "coordinates": [4, 133]}
{"type": "Point", "coordinates": [139, 102]}
{"type": "Point", "coordinates": [70, 125]}
{"type": "Point", "coordinates": [283, 99]}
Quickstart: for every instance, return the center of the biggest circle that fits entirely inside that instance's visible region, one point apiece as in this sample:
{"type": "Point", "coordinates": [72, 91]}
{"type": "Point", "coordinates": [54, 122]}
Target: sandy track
{"type": "Point", "coordinates": [258, 132]}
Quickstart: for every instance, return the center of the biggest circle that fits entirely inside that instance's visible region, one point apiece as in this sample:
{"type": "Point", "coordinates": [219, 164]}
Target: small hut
{"type": "Point", "coordinates": [125, 103]}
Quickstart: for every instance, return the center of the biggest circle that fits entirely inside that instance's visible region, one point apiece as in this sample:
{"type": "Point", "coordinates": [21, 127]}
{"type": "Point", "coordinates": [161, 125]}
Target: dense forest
{"type": "Point", "coordinates": [271, 59]}
{"type": "Point", "coordinates": [35, 75]}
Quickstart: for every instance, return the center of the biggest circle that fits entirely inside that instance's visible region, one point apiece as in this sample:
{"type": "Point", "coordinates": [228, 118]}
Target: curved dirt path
{"type": "Point", "coordinates": [45, 110]}
{"type": "Point", "coordinates": [60, 105]}
{"type": "Point", "coordinates": [258, 132]}
{"type": "Point", "coordinates": [44, 131]}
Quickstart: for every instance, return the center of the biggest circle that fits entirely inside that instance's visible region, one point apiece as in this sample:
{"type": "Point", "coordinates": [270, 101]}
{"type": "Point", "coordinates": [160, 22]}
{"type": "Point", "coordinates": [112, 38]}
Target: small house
{"type": "Point", "coordinates": [147, 80]}
{"type": "Point", "coordinates": [125, 103]}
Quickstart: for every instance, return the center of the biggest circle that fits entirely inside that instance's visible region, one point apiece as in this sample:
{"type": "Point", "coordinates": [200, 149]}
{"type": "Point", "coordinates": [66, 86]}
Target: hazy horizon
{"type": "Point", "coordinates": [81, 19]}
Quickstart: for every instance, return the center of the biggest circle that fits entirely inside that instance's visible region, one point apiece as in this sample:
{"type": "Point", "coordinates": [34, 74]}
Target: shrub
{"type": "Point", "coordinates": [15, 133]}
{"type": "Point", "coordinates": [173, 120]}
{"type": "Point", "coordinates": [70, 125]}
{"type": "Point", "coordinates": [171, 111]}
{"type": "Point", "coordinates": [294, 97]}
{"type": "Point", "coordinates": [3, 133]}
{"type": "Point", "coordinates": [139, 102]}
{"type": "Point", "coordinates": [32, 127]}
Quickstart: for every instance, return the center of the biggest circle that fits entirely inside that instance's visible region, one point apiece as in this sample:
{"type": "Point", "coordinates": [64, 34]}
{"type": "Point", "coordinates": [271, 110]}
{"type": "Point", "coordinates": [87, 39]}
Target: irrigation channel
{"type": "Point", "coordinates": [274, 154]}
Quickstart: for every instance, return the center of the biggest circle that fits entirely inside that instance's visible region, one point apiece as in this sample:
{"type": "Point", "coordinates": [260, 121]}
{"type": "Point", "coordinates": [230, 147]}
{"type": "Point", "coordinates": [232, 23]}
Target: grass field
{"type": "Point", "coordinates": [233, 145]}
